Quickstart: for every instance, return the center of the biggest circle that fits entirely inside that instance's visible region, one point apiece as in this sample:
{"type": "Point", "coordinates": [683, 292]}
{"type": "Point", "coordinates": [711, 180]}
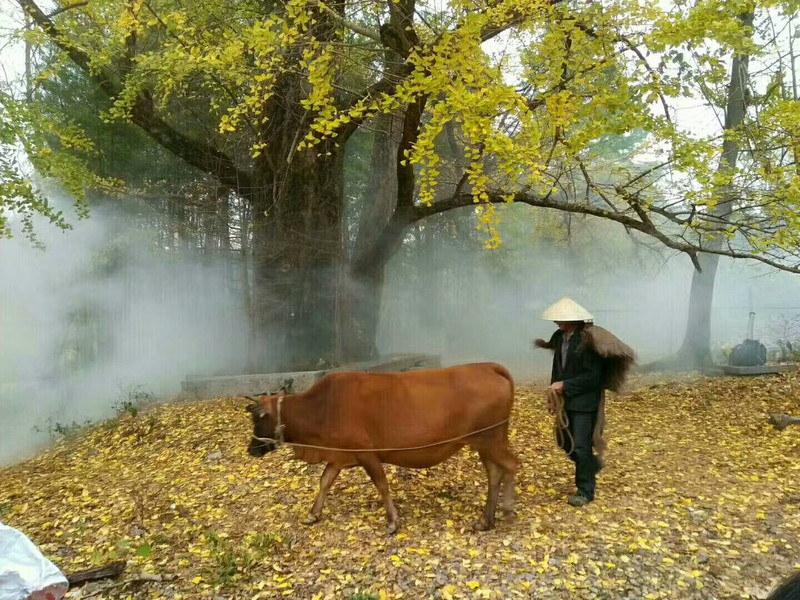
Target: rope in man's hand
{"type": "Point", "coordinates": [555, 405]}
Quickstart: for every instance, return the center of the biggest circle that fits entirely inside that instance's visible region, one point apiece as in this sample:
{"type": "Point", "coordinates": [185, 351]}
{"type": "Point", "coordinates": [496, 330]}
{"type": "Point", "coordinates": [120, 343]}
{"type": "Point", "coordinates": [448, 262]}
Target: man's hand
{"type": "Point", "coordinates": [540, 343]}
{"type": "Point", "coordinates": [558, 387]}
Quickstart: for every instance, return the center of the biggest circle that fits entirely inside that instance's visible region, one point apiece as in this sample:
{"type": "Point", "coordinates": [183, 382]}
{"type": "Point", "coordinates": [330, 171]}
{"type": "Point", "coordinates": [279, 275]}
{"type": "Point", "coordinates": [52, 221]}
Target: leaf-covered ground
{"type": "Point", "coordinates": [700, 499]}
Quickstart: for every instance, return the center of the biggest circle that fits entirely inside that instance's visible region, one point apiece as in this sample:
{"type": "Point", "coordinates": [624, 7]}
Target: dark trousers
{"type": "Point", "coordinates": [581, 426]}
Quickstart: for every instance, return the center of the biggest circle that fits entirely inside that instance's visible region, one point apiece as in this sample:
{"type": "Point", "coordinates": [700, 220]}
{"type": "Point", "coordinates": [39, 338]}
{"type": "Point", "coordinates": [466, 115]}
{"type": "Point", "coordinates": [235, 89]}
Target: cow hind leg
{"type": "Point", "coordinates": [372, 465]}
{"type": "Point", "coordinates": [509, 495]}
{"type": "Point", "coordinates": [329, 475]}
{"type": "Point", "coordinates": [494, 473]}
{"type": "Point", "coordinates": [506, 460]}
{"type": "Point", "coordinates": [500, 454]}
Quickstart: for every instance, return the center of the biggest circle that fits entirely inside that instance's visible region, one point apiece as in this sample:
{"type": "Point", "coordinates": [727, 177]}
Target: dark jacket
{"type": "Point", "coordinates": [582, 374]}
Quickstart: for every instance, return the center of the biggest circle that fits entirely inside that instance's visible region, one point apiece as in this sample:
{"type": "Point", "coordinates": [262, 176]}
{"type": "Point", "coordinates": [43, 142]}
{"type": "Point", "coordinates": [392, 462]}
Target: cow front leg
{"type": "Point", "coordinates": [494, 473]}
{"type": "Point", "coordinates": [372, 465]}
{"type": "Point", "coordinates": [329, 475]}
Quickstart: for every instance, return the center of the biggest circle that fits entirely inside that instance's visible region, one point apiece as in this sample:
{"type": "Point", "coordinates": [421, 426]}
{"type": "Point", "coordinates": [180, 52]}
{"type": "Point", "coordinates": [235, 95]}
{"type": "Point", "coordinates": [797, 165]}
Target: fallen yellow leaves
{"type": "Point", "coordinates": [699, 499]}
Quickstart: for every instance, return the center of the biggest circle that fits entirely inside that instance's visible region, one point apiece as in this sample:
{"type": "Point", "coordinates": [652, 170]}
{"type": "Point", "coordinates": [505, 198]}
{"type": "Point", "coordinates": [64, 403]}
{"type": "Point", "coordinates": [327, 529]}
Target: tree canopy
{"type": "Point", "coordinates": [526, 88]}
{"type": "Point", "coordinates": [476, 103]}
{"type": "Point", "coordinates": [31, 146]}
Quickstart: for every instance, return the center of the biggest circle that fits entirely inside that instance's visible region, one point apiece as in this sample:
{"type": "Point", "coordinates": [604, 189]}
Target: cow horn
{"type": "Point", "coordinates": [253, 403]}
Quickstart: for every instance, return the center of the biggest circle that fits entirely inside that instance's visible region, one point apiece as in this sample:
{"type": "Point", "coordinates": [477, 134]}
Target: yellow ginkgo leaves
{"type": "Point", "coordinates": [699, 497]}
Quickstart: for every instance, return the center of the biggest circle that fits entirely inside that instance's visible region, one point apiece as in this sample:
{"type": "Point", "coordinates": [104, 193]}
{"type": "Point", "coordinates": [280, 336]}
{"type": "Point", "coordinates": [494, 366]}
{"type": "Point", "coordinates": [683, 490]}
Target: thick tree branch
{"type": "Point", "coordinates": [65, 8]}
{"type": "Point", "coordinates": [405, 170]}
{"type": "Point", "coordinates": [205, 157]}
{"type": "Point", "coordinates": [386, 85]}
{"type": "Point", "coordinates": [648, 228]}
{"type": "Point", "coordinates": [491, 30]}
{"type": "Point", "coordinates": [386, 244]}
{"type": "Point", "coordinates": [401, 23]}
{"type": "Point", "coordinates": [402, 18]}
{"type": "Point", "coordinates": [354, 27]}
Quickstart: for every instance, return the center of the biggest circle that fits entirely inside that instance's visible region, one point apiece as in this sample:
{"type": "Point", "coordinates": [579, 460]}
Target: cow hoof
{"type": "Point", "coordinates": [510, 514]}
{"type": "Point", "coordinates": [391, 528]}
{"type": "Point", "coordinates": [483, 526]}
{"type": "Point", "coordinates": [310, 520]}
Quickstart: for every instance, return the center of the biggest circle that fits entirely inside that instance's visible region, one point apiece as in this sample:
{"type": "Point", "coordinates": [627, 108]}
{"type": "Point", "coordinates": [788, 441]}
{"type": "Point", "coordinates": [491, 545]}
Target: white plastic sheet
{"type": "Point", "coordinates": [25, 574]}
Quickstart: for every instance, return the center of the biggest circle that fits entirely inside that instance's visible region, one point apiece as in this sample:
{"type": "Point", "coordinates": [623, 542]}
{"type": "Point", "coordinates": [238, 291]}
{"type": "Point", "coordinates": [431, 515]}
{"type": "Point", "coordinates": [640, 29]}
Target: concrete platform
{"type": "Point", "coordinates": [241, 385]}
{"type": "Point", "coordinates": [393, 364]}
{"type": "Point", "coordinates": [297, 382]}
{"type": "Point", "coordinates": [760, 370]}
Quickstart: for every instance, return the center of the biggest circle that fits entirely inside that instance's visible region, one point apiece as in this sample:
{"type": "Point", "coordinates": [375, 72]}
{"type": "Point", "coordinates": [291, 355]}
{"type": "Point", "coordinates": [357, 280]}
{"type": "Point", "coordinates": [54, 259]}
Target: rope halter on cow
{"type": "Point", "coordinates": [279, 440]}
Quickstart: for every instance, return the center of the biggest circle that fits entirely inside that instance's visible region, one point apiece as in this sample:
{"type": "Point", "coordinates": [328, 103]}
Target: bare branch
{"type": "Point", "coordinates": [632, 47]}
{"type": "Point", "coordinates": [690, 248]}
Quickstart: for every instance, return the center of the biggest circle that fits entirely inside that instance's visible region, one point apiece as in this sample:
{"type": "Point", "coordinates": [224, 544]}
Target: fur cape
{"type": "Point", "coordinates": [617, 356]}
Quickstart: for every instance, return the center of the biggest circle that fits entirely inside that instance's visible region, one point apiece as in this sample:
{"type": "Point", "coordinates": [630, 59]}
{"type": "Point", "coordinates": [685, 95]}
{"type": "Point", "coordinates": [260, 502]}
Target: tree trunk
{"type": "Point", "coordinates": [695, 352]}
{"type": "Point", "coordinates": [361, 285]}
{"type": "Point", "coordinates": [28, 63]}
{"type": "Point", "coordinates": [358, 314]}
{"type": "Point", "coordinates": [389, 212]}
{"type": "Point", "coordinates": [297, 201]}
{"type": "Point", "coordinates": [223, 218]}
{"type": "Point", "coordinates": [430, 270]}
{"type": "Point", "coordinates": [296, 244]}
{"type": "Point", "coordinates": [245, 254]}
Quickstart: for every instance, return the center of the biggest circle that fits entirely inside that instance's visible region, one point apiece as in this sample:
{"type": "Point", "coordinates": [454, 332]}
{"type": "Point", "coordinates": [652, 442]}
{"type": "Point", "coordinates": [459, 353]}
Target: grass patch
{"type": "Point", "coordinates": [132, 399]}
{"type": "Point", "coordinates": [231, 559]}
{"type": "Point", "coordinates": [64, 431]}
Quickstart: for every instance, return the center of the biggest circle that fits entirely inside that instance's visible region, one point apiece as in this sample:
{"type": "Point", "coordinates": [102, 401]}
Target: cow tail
{"type": "Point", "coordinates": [503, 372]}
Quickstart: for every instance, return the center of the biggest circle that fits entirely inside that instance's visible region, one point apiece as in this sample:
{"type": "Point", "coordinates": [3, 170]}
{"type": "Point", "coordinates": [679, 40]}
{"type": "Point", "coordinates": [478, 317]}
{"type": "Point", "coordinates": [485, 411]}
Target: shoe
{"type": "Point", "coordinates": [578, 500]}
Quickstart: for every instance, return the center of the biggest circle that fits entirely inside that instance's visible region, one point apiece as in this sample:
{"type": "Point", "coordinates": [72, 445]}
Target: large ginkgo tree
{"type": "Point", "coordinates": [477, 102]}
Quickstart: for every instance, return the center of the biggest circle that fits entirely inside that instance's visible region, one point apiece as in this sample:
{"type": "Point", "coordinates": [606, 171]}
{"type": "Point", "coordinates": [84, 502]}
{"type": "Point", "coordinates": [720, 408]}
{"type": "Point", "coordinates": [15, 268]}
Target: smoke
{"type": "Point", "coordinates": [105, 308]}
{"type": "Point", "coordinates": [449, 296]}
{"type": "Point", "coordinates": [99, 313]}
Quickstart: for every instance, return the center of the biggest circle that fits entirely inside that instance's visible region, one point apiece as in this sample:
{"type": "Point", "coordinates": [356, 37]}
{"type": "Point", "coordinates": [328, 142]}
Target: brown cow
{"type": "Point", "coordinates": [416, 419]}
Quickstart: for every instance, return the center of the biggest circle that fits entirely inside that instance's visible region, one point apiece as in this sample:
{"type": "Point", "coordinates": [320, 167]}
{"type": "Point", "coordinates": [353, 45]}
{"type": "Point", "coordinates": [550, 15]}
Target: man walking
{"type": "Point", "coordinates": [586, 361]}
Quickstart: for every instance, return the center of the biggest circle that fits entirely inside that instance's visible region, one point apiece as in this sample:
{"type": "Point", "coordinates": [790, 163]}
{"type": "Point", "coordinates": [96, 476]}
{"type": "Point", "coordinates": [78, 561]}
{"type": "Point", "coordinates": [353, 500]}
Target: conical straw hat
{"type": "Point", "coordinates": [566, 309]}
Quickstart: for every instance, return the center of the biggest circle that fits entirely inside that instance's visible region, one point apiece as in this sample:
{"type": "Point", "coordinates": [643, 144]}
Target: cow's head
{"type": "Point", "coordinates": [264, 415]}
